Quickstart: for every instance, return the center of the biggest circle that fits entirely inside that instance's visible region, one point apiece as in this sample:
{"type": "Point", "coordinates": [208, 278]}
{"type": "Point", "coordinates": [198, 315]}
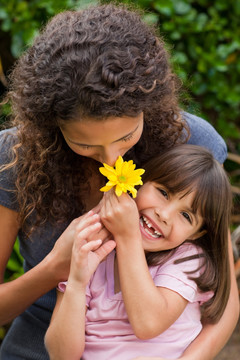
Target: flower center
{"type": "Point", "coordinates": [122, 178]}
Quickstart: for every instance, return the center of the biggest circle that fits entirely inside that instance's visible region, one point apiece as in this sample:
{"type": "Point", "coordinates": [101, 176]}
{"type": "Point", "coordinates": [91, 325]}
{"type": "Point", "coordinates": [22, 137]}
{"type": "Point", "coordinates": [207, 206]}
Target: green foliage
{"type": "Point", "coordinates": [14, 269]}
{"type": "Point", "coordinates": [204, 39]}
{"type": "Point", "coordinates": [15, 264]}
{"type": "Point", "coordinates": [23, 18]}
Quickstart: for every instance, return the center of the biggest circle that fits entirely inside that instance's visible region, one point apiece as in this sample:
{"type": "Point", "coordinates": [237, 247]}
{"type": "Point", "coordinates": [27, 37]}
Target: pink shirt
{"type": "Point", "coordinates": [109, 334]}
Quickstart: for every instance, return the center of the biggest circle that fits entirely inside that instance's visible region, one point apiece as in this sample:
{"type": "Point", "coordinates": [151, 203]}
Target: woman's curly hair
{"type": "Point", "coordinates": [100, 62]}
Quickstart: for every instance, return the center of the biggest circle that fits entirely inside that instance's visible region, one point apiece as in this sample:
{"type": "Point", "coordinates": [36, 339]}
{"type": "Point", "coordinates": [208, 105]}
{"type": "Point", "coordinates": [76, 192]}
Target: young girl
{"type": "Point", "coordinates": [95, 84]}
{"type": "Point", "coordinates": [179, 228]}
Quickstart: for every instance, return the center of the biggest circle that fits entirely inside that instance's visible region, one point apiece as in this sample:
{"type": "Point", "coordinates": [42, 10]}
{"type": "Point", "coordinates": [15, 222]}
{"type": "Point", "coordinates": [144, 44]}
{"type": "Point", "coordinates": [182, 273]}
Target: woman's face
{"type": "Point", "coordinates": [103, 140]}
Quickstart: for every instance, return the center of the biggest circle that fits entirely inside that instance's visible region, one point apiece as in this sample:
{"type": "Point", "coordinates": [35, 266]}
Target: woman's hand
{"type": "Point", "coordinates": [87, 255]}
{"type": "Point", "coordinates": [60, 256]}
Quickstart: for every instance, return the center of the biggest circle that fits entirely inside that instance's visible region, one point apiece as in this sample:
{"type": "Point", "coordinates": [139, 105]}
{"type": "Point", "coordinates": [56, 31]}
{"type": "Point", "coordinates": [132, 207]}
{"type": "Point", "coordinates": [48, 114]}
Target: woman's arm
{"type": "Point", "coordinates": [65, 337]}
{"type": "Point", "coordinates": [213, 337]}
{"type": "Point", "coordinates": [17, 295]}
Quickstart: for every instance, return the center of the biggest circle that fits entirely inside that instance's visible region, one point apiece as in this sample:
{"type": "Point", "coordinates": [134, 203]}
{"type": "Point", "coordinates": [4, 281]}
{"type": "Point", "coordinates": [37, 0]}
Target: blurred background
{"type": "Point", "coordinates": [203, 38]}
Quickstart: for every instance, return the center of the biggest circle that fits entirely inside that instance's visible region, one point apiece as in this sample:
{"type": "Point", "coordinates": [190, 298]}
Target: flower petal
{"type": "Point", "coordinates": [135, 182]}
{"type": "Point", "coordinates": [108, 167]}
{"type": "Point", "coordinates": [118, 165]}
{"type": "Point", "coordinates": [111, 183]}
{"type": "Point", "coordinates": [106, 188]}
{"type": "Point", "coordinates": [118, 190]}
{"type": "Point", "coordinates": [124, 170]}
{"type": "Point", "coordinates": [107, 172]}
{"type": "Point", "coordinates": [138, 172]}
{"type": "Point", "coordinates": [133, 191]}
{"type": "Point", "coordinates": [110, 176]}
{"type": "Point", "coordinates": [131, 165]}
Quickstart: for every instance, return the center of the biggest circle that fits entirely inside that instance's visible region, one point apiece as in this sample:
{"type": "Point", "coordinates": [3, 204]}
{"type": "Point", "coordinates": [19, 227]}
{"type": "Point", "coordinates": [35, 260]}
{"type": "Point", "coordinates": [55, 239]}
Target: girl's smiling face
{"type": "Point", "coordinates": [166, 220]}
{"type": "Point", "coordinates": [103, 140]}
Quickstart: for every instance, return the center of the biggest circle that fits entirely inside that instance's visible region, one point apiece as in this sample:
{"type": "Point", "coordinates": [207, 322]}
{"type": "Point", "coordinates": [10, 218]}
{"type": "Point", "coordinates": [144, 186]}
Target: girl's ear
{"type": "Point", "coordinates": [198, 234]}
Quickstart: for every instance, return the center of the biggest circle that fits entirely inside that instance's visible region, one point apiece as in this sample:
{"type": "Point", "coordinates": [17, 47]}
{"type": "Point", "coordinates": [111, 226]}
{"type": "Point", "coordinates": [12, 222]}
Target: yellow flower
{"type": "Point", "coordinates": [123, 176]}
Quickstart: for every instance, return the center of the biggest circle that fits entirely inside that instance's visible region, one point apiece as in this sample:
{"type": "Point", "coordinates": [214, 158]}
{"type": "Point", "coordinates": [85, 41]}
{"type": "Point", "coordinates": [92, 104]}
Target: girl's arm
{"type": "Point", "coordinates": [67, 325]}
{"type": "Point", "coordinates": [151, 310]}
{"type": "Point", "coordinates": [65, 337]}
{"type": "Point", "coordinates": [19, 294]}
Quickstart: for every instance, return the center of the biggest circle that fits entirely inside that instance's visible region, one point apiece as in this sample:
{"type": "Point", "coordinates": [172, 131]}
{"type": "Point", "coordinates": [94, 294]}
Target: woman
{"type": "Point", "coordinates": [96, 84]}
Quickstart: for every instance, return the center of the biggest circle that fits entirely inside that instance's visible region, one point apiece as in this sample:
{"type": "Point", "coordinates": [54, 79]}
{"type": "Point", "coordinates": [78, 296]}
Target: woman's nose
{"type": "Point", "coordinates": [109, 157]}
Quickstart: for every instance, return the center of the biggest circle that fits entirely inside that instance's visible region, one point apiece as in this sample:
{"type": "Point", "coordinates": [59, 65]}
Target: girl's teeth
{"type": "Point", "coordinates": [148, 224]}
{"type": "Point", "coordinates": [156, 233]}
{"type": "Point", "coordinates": [156, 236]}
{"type": "Point", "coordinates": [149, 232]}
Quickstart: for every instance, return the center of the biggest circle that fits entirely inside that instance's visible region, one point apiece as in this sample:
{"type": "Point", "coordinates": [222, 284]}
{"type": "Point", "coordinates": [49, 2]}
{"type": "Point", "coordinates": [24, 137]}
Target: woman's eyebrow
{"type": "Point", "coordinates": [132, 132]}
{"type": "Point", "coordinates": [81, 144]}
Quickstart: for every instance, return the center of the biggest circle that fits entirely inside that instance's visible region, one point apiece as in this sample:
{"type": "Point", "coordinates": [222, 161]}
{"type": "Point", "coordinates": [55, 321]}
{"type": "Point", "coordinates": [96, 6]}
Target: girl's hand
{"type": "Point", "coordinates": [120, 215]}
{"type": "Point", "coordinates": [86, 255]}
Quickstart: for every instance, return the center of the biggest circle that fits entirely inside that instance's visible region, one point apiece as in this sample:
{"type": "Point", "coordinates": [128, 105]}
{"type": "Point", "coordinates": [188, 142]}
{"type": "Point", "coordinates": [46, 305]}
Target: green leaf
{"type": "Point", "coordinates": [164, 7]}
{"type": "Point", "coordinates": [151, 18]}
{"type": "Point", "coordinates": [15, 263]}
{"type": "Point", "coordinates": [181, 7]}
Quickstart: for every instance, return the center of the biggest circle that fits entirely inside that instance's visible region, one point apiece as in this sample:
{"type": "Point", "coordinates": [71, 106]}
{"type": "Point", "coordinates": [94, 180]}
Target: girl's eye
{"type": "Point", "coordinates": [164, 193]}
{"type": "Point", "coordinates": [187, 216]}
{"type": "Point", "coordinates": [129, 137]}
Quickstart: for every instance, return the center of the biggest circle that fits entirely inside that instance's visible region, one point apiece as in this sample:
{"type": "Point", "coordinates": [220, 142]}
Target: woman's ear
{"type": "Point", "coordinates": [198, 234]}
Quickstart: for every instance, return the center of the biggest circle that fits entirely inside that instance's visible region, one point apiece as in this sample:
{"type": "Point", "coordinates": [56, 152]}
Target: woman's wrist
{"type": "Point", "coordinates": [55, 267]}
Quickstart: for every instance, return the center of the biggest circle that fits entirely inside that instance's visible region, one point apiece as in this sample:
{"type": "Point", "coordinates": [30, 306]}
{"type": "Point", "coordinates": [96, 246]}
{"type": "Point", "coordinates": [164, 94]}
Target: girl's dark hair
{"type": "Point", "coordinates": [189, 168]}
{"type": "Point", "coordinates": [100, 62]}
